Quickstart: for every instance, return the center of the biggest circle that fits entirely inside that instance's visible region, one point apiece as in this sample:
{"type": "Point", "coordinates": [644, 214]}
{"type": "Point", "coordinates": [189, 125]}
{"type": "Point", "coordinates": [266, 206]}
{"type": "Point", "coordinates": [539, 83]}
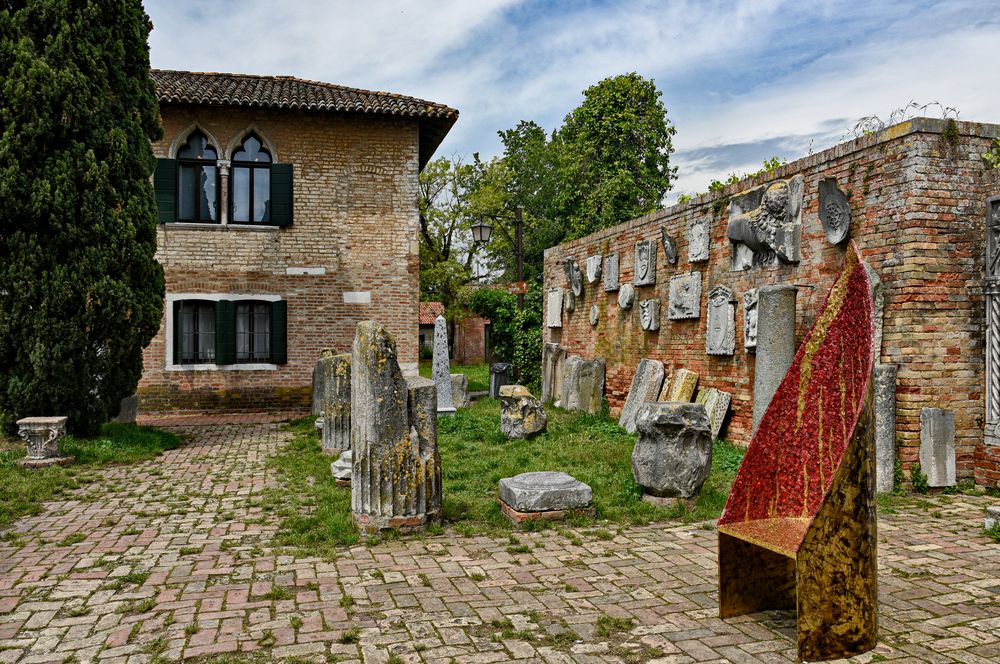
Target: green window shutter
{"type": "Point", "coordinates": [177, 332]}
{"type": "Point", "coordinates": [279, 332]}
{"type": "Point", "coordinates": [165, 187]}
{"type": "Point", "coordinates": [281, 194]}
{"type": "Point", "coordinates": [225, 332]}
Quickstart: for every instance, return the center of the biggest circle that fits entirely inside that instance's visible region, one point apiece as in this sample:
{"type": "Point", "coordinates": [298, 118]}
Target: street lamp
{"type": "Point", "coordinates": [482, 232]}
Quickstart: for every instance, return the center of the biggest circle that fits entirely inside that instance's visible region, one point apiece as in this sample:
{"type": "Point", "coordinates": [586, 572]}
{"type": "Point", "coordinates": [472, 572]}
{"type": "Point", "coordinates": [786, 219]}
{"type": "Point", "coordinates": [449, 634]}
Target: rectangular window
{"type": "Point", "coordinates": [251, 194]}
{"type": "Point", "coordinates": [253, 331]}
{"type": "Point", "coordinates": [196, 327]}
{"type": "Point", "coordinates": [196, 193]}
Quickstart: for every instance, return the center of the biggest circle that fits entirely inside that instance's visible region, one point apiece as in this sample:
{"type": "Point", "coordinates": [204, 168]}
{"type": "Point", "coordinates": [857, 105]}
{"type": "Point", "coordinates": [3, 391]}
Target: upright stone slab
{"type": "Point", "coordinates": [937, 446]}
{"type": "Point", "coordinates": [685, 296]}
{"type": "Point", "coordinates": [611, 273]}
{"type": "Point", "coordinates": [645, 263]}
{"type": "Point", "coordinates": [499, 376]}
{"type": "Point", "coordinates": [646, 384]}
{"type": "Point", "coordinates": [521, 414]}
{"type": "Point", "coordinates": [878, 300]}
{"type": "Point", "coordinates": [682, 387]}
{"type": "Point", "coordinates": [333, 374]}
{"type": "Point", "coordinates": [553, 356]}
{"type": "Point", "coordinates": [460, 390]}
{"type": "Point", "coordinates": [396, 474]}
{"type": "Point", "coordinates": [318, 381]}
{"type": "Point", "coordinates": [441, 371]}
{"type": "Point", "coordinates": [593, 268]}
{"type": "Point", "coordinates": [885, 427]}
{"type": "Point", "coordinates": [720, 333]}
{"type": "Point", "coordinates": [128, 410]}
{"type": "Point", "coordinates": [698, 239]}
{"type": "Point", "coordinates": [673, 454]}
{"type": "Point", "coordinates": [554, 307]}
{"type": "Point", "coordinates": [583, 385]}
{"type": "Point", "coordinates": [775, 343]}
{"type": "Point", "coordinates": [717, 406]}
{"type": "Point", "coordinates": [750, 321]}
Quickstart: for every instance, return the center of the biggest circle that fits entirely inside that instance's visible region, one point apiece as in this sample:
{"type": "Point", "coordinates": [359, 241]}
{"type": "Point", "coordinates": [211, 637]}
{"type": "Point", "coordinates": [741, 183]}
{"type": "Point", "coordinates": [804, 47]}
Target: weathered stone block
{"type": "Point", "coordinates": [834, 211]}
{"type": "Point", "coordinates": [992, 517]}
{"type": "Point", "coordinates": [646, 384]}
{"type": "Point", "coordinates": [673, 454]}
{"type": "Point", "coordinates": [333, 376]}
{"type": "Point", "coordinates": [593, 269]}
{"type": "Point", "coordinates": [582, 385]}
{"type": "Point", "coordinates": [41, 435]}
{"type": "Point", "coordinates": [544, 491]}
{"type": "Point", "coordinates": [720, 333]}
{"type": "Point", "coordinates": [685, 296]}
{"type": "Point", "coordinates": [595, 315]}
{"type": "Point", "coordinates": [775, 343]}
{"type": "Point", "coordinates": [626, 296]}
{"type": "Point", "coordinates": [699, 234]}
{"type": "Point", "coordinates": [611, 273]}
{"type": "Point", "coordinates": [717, 406]}
{"type": "Point", "coordinates": [645, 263]}
{"type": "Point", "coordinates": [521, 414]}
{"type": "Point", "coordinates": [575, 277]}
{"type": "Point", "coordinates": [885, 427]}
{"type": "Point", "coordinates": [553, 356]}
{"type": "Point", "coordinates": [554, 307]}
{"type": "Point", "coordinates": [649, 315]}
{"type": "Point", "coordinates": [441, 370]}
{"type": "Point", "coordinates": [681, 387]}
{"type": "Point", "coordinates": [460, 390]}
{"type": "Point", "coordinates": [342, 467]}
{"type": "Point", "coordinates": [937, 446]}
{"type": "Point", "coordinates": [750, 320]}
{"type": "Point", "coordinates": [128, 410]}
{"type": "Point", "coordinates": [499, 376]}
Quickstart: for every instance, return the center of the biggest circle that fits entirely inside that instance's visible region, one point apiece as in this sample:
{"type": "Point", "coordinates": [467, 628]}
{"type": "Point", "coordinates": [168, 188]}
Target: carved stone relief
{"type": "Point", "coordinates": [554, 307]}
{"type": "Point", "coordinates": [698, 240]}
{"type": "Point", "coordinates": [834, 211]}
{"type": "Point", "coordinates": [595, 315]}
{"type": "Point", "coordinates": [685, 296]}
{"type": "Point", "coordinates": [720, 333]}
{"type": "Point", "coordinates": [649, 315]}
{"type": "Point", "coordinates": [569, 301]}
{"type": "Point", "coordinates": [750, 320]}
{"type": "Point", "coordinates": [575, 277]}
{"type": "Point", "coordinates": [645, 263]}
{"type": "Point", "coordinates": [765, 224]}
{"type": "Point", "coordinates": [669, 246]}
{"type": "Point", "coordinates": [626, 296]}
{"type": "Point", "coordinates": [992, 292]}
{"type": "Point", "coordinates": [593, 268]}
{"type": "Point", "coordinates": [611, 273]}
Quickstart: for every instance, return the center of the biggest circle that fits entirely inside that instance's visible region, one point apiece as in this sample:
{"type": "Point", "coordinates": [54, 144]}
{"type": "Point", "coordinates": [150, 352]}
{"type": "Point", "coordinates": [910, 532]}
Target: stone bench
{"type": "Point", "coordinates": [799, 527]}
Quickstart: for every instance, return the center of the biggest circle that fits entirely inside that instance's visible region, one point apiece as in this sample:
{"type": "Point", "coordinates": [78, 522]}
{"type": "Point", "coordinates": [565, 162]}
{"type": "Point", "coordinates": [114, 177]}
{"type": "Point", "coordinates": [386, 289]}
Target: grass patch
{"type": "Point", "coordinates": [608, 626]}
{"type": "Point", "coordinates": [316, 513]}
{"type": "Point", "coordinates": [22, 491]}
{"type": "Point", "coordinates": [478, 375]}
{"type": "Point", "coordinates": [994, 532]}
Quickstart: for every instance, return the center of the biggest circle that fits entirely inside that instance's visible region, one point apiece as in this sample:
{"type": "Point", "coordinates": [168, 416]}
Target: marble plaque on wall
{"type": "Point", "coordinates": [750, 320]}
{"type": "Point", "coordinates": [698, 239]}
{"type": "Point", "coordinates": [645, 263]}
{"type": "Point", "coordinates": [649, 315]}
{"type": "Point", "coordinates": [720, 334]}
{"type": "Point", "coordinates": [669, 246]}
{"type": "Point", "coordinates": [575, 277]}
{"type": "Point", "coordinates": [626, 296]}
{"type": "Point", "coordinates": [611, 273]}
{"type": "Point", "coordinates": [554, 307]}
{"type": "Point", "coordinates": [685, 296]}
{"type": "Point", "coordinates": [593, 268]}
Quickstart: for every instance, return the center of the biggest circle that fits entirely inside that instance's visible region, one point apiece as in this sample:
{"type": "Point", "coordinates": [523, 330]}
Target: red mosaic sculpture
{"type": "Point", "coordinates": [799, 528]}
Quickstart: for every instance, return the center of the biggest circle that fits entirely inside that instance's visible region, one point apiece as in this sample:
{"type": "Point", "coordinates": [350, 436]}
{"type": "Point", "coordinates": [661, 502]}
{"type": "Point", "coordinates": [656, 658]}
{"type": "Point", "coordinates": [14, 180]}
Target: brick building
{"type": "Point", "coordinates": [288, 213]}
{"type": "Point", "coordinates": [918, 194]}
{"type": "Point", "coordinates": [467, 337]}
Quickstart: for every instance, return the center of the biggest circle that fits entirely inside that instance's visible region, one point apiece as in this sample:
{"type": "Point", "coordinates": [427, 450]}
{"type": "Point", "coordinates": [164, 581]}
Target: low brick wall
{"type": "Point", "coordinates": [918, 201]}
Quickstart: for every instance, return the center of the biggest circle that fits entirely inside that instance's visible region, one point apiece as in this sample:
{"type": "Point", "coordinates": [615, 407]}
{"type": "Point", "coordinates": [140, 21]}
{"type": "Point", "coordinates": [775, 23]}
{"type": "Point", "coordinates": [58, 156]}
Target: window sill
{"type": "Point", "coordinates": [195, 226]}
{"type": "Point", "coordinates": [263, 366]}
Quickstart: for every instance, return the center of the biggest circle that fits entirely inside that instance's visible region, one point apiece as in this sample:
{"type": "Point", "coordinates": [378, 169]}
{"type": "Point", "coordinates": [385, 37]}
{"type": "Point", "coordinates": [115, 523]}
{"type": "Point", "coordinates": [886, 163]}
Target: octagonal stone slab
{"type": "Point", "coordinates": [544, 491]}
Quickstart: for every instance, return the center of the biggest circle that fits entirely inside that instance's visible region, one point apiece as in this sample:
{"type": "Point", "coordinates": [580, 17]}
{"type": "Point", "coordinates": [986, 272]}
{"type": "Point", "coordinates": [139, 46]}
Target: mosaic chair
{"type": "Point", "coordinates": [799, 527]}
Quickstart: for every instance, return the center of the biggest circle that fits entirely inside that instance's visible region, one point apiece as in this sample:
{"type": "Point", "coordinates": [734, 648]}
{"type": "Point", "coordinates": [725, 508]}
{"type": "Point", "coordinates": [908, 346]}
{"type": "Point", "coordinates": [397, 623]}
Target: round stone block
{"type": "Point", "coordinates": [544, 491]}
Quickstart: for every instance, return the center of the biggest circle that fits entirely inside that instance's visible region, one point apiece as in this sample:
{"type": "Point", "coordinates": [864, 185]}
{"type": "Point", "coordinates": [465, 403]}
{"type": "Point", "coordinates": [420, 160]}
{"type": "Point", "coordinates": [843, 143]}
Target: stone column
{"type": "Point", "coordinates": [885, 427]}
{"type": "Point", "coordinates": [332, 378]}
{"type": "Point", "coordinates": [223, 190]}
{"type": "Point", "coordinates": [441, 370]}
{"type": "Point", "coordinates": [937, 446]}
{"type": "Point", "coordinates": [775, 343]}
{"type": "Point", "coordinates": [396, 475]}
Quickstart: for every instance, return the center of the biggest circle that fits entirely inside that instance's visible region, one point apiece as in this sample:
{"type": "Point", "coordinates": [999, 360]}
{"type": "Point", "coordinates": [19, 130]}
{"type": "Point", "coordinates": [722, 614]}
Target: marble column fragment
{"type": "Point", "coordinates": [937, 446]}
{"type": "Point", "coordinates": [775, 343]}
{"type": "Point", "coordinates": [396, 475]}
{"type": "Point", "coordinates": [441, 371]}
{"type": "Point", "coordinates": [885, 427]}
{"type": "Point", "coordinates": [333, 374]}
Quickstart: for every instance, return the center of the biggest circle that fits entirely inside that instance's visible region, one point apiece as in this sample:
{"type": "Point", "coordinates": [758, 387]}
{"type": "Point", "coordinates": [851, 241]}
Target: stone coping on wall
{"type": "Point", "coordinates": [892, 133]}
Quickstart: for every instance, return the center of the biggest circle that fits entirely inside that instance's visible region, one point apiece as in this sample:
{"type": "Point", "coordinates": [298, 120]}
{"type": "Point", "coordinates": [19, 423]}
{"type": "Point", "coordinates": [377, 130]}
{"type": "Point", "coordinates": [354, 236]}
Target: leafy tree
{"type": "Point", "coordinates": [80, 291]}
{"type": "Point", "coordinates": [516, 335]}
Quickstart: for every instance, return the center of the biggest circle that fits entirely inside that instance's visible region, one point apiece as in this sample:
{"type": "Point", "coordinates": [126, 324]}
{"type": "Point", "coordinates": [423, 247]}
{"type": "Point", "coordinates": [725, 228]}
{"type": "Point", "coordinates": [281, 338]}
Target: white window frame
{"type": "Point", "coordinates": [212, 297]}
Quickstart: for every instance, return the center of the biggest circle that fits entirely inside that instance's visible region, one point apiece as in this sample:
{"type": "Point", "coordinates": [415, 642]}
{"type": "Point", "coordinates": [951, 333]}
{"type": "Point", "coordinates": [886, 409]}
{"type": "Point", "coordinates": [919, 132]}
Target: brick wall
{"type": "Point", "coordinates": [918, 202]}
{"type": "Point", "coordinates": [355, 215]}
{"type": "Point", "coordinates": [470, 340]}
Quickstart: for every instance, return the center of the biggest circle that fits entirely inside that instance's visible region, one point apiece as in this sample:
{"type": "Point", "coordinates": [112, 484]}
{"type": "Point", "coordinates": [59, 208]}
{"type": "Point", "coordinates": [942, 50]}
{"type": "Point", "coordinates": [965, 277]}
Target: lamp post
{"type": "Point", "coordinates": [482, 232]}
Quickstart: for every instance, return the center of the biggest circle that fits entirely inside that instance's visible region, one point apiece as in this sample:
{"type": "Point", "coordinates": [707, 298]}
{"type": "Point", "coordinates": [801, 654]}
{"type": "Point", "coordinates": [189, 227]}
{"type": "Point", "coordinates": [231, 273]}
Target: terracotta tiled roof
{"type": "Point", "coordinates": [218, 89]}
{"type": "Point", "coordinates": [429, 311]}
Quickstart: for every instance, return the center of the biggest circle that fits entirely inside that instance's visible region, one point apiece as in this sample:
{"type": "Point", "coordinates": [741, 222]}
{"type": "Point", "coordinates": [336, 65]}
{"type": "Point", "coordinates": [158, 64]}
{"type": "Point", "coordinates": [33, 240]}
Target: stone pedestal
{"type": "Point", "coordinates": [42, 434]}
{"type": "Point", "coordinates": [441, 371]}
{"type": "Point", "coordinates": [885, 427]}
{"type": "Point", "coordinates": [937, 446]}
{"type": "Point", "coordinates": [521, 414]}
{"type": "Point", "coordinates": [332, 375]}
{"type": "Point", "coordinates": [646, 384]}
{"type": "Point", "coordinates": [673, 455]}
{"type": "Point", "coordinates": [499, 376]}
{"type": "Point", "coordinates": [460, 390]}
{"type": "Point", "coordinates": [542, 495]}
{"type": "Point", "coordinates": [775, 343]}
{"type": "Point", "coordinates": [396, 474]}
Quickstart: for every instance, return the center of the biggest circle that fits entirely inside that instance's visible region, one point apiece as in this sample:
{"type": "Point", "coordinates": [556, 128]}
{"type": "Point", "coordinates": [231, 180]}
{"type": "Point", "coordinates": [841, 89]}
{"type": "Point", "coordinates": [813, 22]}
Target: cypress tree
{"type": "Point", "coordinates": [80, 291]}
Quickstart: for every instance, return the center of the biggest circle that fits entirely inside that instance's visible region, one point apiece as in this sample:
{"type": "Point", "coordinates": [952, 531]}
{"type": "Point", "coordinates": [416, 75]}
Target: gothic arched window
{"type": "Point", "coordinates": [251, 183]}
{"type": "Point", "coordinates": [197, 180]}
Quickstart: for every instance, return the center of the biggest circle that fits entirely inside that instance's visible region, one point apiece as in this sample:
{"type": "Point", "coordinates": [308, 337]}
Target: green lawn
{"type": "Point", "coordinates": [474, 457]}
{"type": "Point", "coordinates": [22, 491]}
{"type": "Point", "coordinates": [478, 374]}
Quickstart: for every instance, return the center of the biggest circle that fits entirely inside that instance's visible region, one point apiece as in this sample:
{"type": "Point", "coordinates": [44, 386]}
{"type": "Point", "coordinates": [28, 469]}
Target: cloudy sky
{"type": "Point", "coordinates": [742, 81]}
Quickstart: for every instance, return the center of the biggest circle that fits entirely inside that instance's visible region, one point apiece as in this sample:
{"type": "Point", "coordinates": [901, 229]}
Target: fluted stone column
{"type": "Point", "coordinates": [332, 380]}
{"type": "Point", "coordinates": [775, 343]}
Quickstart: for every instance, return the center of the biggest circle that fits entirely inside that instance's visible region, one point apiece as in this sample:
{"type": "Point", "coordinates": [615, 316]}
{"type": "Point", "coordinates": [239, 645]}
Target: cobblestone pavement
{"type": "Point", "coordinates": [170, 559]}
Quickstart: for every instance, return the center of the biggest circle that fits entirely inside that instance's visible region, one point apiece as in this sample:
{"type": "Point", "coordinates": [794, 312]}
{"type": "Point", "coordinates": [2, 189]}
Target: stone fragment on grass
{"type": "Point", "coordinates": [460, 390]}
{"type": "Point", "coordinates": [544, 491]}
{"type": "Point", "coordinates": [646, 384]}
{"type": "Point", "coordinates": [521, 414]}
{"type": "Point", "coordinates": [673, 455]}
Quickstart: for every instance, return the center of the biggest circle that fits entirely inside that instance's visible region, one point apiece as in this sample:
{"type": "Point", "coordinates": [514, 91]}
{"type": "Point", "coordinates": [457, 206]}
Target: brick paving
{"type": "Point", "coordinates": [172, 558]}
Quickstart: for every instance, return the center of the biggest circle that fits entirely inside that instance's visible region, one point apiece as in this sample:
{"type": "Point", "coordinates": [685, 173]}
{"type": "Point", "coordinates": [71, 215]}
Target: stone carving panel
{"type": "Point", "coordinates": [698, 239]}
{"type": "Point", "coordinates": [834, 211]}
{"type": "Point", "coordinates": [645, 263]}
{"type": "Point", "coordinates": [649, 315]}
{"type": "Point", "coordinates": [593, 268]}
{"type": "Point", "coordinates": [575, 277]}
{"type": "Point", "coordinates": [669, 246]}
{"type": "Point", "coordinates": [626, 296]}
{"type": "Point", "coordinates": [750, 320]}
{"type": "Point", "coordinates": [595, 315]}
{"type": "Point", "coordinates": [685, 296]}
{"type": "Point", "coordinates": [765, 224]}
{"type": "Point", "coordinates": [720, 334]}
{"type": "Point", "coordinates": [611, 273]}
{"type": "Point", "coordinates": [554, 307]}
{"type": "Point", "coordinates": [991, 289]}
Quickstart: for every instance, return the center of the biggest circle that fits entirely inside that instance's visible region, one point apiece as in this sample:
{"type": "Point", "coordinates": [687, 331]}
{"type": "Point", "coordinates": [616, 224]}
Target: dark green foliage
{"type": "Point", "coordinates": [515, 336]}
{"type": "Point", "coordinates": [81, 292]}
{"type": "Point", "coordinates": [919, 479]}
